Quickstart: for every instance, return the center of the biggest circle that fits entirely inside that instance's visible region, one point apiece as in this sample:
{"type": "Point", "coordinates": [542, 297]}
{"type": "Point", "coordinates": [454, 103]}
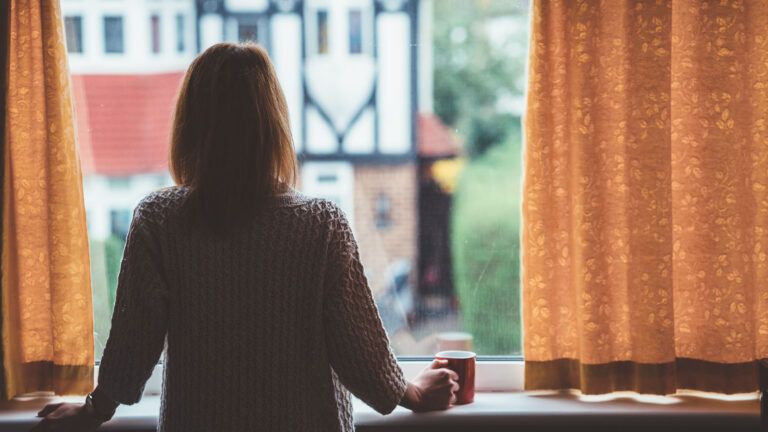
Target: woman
{"type": "Point", "coordinates": [255, 291]}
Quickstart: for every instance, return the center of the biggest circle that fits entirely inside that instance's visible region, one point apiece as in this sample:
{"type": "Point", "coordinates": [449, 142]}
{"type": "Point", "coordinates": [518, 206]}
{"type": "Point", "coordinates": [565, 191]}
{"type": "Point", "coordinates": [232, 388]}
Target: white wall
{"type": "Point", "coordinates": [394, 83]}
{"type": "Point", "coordinates": [286, 28]}
{"type": "Point", "coordinates": [426, 69]}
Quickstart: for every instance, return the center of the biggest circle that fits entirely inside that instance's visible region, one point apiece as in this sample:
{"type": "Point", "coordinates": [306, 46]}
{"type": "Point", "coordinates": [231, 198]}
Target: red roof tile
{"type": "Point", "coordinates": [435, 139]}
{"type": "Point", "coordinates": [124, 121]}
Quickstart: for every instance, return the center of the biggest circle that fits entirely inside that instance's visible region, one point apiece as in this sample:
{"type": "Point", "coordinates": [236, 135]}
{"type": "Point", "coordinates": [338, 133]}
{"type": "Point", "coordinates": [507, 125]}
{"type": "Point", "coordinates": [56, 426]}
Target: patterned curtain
{"type": "Point", "coordinates": [47, 315]}
{"type": "Point", "coordinates": [646, 196]}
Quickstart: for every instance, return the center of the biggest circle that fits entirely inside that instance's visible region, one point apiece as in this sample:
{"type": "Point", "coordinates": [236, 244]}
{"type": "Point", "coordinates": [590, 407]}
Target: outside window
{"type": "Point", "coordinates": [322, 32]}
{"type": "Point", "coordinates": [120, 221]}
{"type": "Point", "coordinates": [180, 34]}
{"type": "Point", "coordinates": [419, 144]}
{"type": "Point", "coordinates": [383, 211]}
{"type": "Point", "coordinates": [355, 31]}
{"type": "Point", "coordinates": [113, 35]}
{"type": "Point", "coordinates": [119, 183]}
{"type": "Point", "coordinates": [248, 32]}
{"type": "Point", "coordinates": [156, 34]}
{"type": "Point", "coordinates": [73, 26]}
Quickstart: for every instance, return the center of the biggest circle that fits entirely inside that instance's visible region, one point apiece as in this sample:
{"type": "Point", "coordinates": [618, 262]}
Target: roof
{"type": "Point", "coordinates": [124, 121]}
{"type": "Point", "coordinates": [435, 139]}
{"type": "Point", "coordinates": [124, 124]}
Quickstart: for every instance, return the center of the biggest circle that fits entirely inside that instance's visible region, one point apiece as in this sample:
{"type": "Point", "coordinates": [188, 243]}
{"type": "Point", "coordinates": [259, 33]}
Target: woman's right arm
{"type": "Point", "coordinates": [357, 344]}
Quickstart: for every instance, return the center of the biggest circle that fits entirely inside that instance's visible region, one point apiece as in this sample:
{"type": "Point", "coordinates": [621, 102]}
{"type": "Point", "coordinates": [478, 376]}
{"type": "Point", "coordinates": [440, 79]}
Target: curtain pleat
{"type": "Point", "coordinates": [47, 315]}
{"type": "Point", "coordinates": [646, 196]}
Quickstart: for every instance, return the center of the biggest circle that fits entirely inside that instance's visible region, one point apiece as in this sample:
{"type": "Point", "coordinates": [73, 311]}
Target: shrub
{"type": "Point", "coordinates": [486, 249]}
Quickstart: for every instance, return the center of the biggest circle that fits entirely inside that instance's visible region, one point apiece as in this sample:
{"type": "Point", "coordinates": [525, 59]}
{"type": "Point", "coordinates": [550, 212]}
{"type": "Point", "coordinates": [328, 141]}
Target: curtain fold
{"type": "Point", "coordinates": [646, 196]}
{"type": "Point", "coordinates": [47, 315]}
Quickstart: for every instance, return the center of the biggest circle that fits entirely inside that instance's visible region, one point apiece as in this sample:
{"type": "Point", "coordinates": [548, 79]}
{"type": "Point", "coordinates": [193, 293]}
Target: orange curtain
{"type": "Point", "coordinates": [47, 315]}
{"type": "Point", "coordinates": [645, 244]}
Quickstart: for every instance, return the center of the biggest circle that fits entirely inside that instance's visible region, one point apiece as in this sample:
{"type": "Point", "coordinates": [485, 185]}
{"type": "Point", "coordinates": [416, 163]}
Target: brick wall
{"type": "Point", "coordinates": [380, 246]}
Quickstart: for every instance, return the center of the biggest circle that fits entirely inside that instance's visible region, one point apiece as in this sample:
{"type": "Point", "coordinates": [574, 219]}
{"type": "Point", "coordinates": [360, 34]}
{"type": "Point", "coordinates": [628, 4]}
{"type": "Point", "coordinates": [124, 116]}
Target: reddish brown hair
{"type": "Point", "coordinates": [231, 142]}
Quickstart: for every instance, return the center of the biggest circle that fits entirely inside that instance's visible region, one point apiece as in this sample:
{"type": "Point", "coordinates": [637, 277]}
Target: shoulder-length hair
{"type": "Point", "coordinates": [231, 143]}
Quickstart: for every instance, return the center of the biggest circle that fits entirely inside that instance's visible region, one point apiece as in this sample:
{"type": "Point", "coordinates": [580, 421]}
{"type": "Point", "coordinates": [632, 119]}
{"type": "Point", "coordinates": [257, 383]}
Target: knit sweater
{"type": "Point", "coordinates": [265, 328]}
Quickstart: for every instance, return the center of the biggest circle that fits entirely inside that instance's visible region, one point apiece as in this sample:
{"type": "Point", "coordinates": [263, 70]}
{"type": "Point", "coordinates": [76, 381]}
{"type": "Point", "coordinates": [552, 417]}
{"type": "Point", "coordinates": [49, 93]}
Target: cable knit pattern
{"type": "Point", "coordinates": [264, 329]}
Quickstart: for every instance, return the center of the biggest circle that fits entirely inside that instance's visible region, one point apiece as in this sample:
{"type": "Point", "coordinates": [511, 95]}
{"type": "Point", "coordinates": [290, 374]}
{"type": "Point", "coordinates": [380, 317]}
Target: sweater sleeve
{"type": "Point", "coordinates": [139, 319]}
{"type": "Point", "coordinates": [357, 343]}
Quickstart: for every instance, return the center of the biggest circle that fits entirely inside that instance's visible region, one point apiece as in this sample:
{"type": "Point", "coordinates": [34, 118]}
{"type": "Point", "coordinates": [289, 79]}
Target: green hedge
{"type": "Point", "coordinates": [106, 257]}
{"type": "Point", "coordinates": [486, 249]}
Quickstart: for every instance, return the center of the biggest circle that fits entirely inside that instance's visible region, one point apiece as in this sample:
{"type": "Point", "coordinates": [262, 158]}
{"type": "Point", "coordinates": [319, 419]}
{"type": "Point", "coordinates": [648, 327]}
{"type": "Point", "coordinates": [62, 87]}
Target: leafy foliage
{"type": "Point", "coordinates": [486, 259]}
{"type": "Point", "coordinates": [480, 60]}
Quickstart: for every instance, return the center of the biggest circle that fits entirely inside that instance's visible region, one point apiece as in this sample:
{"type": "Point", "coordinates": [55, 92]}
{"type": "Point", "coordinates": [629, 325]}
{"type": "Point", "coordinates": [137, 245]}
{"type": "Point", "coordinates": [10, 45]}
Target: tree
{"type": "Point", "coordinates": [480, 58]}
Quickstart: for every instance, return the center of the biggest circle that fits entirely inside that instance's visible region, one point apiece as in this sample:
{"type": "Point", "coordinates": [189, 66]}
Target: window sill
{"type": "Point", "coordinates": [532, 412]}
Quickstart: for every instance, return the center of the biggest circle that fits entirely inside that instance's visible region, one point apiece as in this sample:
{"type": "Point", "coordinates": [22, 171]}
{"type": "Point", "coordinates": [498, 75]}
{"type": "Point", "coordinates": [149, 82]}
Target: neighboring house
{"type": "Point", "coordinates": [349, 71]}
{"type": "Point", "coordinates": [356, 74]}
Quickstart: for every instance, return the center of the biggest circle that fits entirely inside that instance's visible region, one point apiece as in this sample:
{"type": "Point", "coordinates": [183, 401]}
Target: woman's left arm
{"type": "Point", "coordinates": [140, 317]}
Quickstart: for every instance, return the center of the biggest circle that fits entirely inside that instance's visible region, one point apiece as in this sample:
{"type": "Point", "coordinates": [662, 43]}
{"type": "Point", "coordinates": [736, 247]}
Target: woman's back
{"type": "Point", "coordinates": [259, 295]}
{"type": "Point", "coordinates": [259, 321]}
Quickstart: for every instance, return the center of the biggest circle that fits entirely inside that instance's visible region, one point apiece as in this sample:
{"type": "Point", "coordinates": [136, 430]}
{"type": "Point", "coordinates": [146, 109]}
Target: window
{"type": "Point", "coordinates": [322, 31]}
{"type": "Point", "coordinates": [156, 34]}
{"type": "Point", "coordinates": [355, 31]}
{"type": "Point", "coordinates": [383, 211]}
{"type": "Point", "coordinates": [436, 216]}
{"type": "Point", "coordinates": [248, 32]}
{"type": "Point", "coordinates": [180, 34]}
{"type": "Point", "coordinates": [333, 181]}
{"type": "Point", "coordinates": [120, 221]}
{"type": "Point", "coordinates": [113, 35]}
{"type": "Point", "coordinates": [73, 26]}
{"type": "Point", "coordinates": [119, 183]}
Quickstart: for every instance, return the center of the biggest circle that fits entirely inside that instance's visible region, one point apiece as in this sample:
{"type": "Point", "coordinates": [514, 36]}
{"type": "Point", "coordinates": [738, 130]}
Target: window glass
{"type": "Point", "coordinates": [73, 26]}
{"type": "Point", "coordinates": [417, 139]}
{"type": "Point", "coordinates": [113, 34]}
{"type": "Point", "coordinates": [355, 31]}
{"type": "Point", "coordinates": [248, 32]}
{"type": "Point", "coordinates": [322, 32]}
{"type": "Point", "coordinates": [156, 34]}
{"type": "Point", "coordinates": [180, 34]}
{"type": "Point", "coordinates": [120, 222]}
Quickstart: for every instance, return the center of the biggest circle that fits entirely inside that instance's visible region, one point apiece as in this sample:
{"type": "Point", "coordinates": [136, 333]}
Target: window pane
{"type": "Point", "coordinates": [248, 32]}
{"type": "Point", "coordinates": [113, 34]}
{"type": "Point", "coordinates": [322, 32]}
{"type": "Point", "coordinates": [156, 34]}
{"type": "Point", "coordinates": [180, 34]}
{"type": "Point", "coordinates": [355, 31]}
{"type": "Point", "coordinates": [73, 26]}
{"type": "Point", "coordinates": [418, 141]}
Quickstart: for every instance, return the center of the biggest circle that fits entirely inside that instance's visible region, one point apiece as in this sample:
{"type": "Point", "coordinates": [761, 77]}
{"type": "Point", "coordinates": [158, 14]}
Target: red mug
{"type": "Point", "coordinates": [463, 363]}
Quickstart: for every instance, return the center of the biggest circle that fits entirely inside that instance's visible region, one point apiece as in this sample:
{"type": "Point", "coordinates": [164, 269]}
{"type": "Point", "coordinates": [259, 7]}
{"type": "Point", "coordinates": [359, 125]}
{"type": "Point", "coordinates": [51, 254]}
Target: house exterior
{"type": "Point", "coordinates": [356, 75]}
{"type": "Point", "coordinates": [349, 71]}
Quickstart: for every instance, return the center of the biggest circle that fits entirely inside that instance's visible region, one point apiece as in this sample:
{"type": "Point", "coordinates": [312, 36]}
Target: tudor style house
{"type": "Point", "coordinates": [349, 70]}
{"type": "Point", "coordinates": [357, 77]}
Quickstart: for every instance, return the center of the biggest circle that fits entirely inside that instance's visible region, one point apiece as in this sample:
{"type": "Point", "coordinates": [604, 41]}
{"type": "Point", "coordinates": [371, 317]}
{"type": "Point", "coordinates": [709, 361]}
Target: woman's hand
{"type": "Point", "coordinates": [66, 417]}
{"type": "Point", "coordinates": [433, 389]}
